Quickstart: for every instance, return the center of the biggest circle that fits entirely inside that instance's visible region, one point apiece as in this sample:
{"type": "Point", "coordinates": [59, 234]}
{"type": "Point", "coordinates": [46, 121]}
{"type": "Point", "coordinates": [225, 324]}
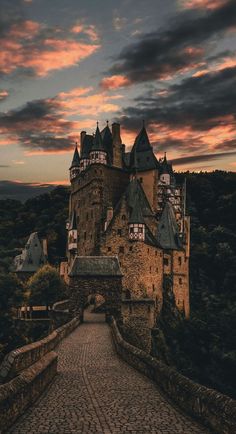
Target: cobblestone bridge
{"type": "Point", "coordinates": [96, 392]}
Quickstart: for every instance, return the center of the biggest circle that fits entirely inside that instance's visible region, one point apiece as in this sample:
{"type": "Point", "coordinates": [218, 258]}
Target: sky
{"type": "Point", "coordinates": [66, 64]}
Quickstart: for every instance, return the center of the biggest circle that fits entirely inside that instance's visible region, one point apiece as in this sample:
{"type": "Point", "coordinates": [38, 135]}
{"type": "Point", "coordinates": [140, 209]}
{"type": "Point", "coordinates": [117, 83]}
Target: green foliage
{"type": "Point", "coordinates": [203, 347]}
{"type": "Point", "coordinates": [45, 214]}
{"type": "Point", "coordinates": [11, 295]}
{"type": "Point", "coordinates": [45, 287]}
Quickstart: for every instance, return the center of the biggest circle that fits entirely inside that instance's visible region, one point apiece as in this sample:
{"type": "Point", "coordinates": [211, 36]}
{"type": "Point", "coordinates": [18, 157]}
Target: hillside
{"type": "Point", "coordinates": [203, 347]}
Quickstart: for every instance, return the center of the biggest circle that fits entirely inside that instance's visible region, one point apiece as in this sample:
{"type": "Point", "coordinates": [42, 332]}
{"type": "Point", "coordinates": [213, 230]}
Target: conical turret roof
{"type": "Point", "coordinates": [76, 158]}
{"type": "Point", "coordinates": [98, 142]}
{"type": "Point", "coordinates": [142, 156]}
{"type": "Point", "coordinates": [165, 166]}
{"type": "Point", "coordinates": [168, 231]}
{"type": "Point", "coordinates": [107, 141]}
{"type": "Point", "coordinates": [86, 146]}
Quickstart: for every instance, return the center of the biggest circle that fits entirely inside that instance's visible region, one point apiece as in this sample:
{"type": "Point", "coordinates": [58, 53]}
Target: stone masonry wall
{"type": "Point", "coordinates": [213, 409]}
{"type": "Point", "coordinates": [141, 264]}
{"type": "Point", "coordinates": [26, 372]}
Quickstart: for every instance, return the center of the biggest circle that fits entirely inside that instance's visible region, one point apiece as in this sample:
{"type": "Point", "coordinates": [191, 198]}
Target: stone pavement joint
{"type": "Point", "coordinates": [98, 393]}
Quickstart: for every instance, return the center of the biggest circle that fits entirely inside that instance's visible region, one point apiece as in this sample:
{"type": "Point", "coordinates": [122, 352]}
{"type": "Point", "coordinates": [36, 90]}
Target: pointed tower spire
{"type": "Point", "coordinates": [75, 164]}
{"type": "Point", "coordinates": [168, 232]}
{"type": "Point", "coordinates": [98, 153]}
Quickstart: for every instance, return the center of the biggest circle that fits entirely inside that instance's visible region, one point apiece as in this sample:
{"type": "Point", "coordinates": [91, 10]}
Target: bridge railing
{"type": "Point", "coordinates": [210, 407]}
{"type": "Point", "coordinates": [26, 372]}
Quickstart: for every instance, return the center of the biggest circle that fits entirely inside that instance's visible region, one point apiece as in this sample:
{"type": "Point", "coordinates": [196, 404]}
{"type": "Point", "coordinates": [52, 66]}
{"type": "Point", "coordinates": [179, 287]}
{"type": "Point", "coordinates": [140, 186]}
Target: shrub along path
{"type": "Point", "coordinates": [97, 392]}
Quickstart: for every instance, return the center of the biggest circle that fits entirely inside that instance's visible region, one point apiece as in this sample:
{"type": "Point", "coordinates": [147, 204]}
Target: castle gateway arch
{"type": "Point", "coordinates": [96, 275]}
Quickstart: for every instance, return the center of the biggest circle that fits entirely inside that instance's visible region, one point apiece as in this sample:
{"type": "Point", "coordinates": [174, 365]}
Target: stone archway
{"type": "Point", "coordinates": [96, 274]}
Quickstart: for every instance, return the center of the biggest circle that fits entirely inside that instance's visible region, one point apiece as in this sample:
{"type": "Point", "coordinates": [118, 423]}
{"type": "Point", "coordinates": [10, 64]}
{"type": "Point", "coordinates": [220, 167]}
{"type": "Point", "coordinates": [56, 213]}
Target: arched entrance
{"type": "Point", "coordinates": [96, 275]}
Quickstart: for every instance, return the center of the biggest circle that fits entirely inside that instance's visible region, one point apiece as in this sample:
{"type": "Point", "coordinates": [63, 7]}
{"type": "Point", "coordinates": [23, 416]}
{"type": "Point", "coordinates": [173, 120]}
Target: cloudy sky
{"type": "Point", "coordinates": [64, 64]}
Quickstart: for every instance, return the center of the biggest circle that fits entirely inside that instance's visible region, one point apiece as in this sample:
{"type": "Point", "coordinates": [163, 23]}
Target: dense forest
{"type": "Point", "coordinates": [203, 347]}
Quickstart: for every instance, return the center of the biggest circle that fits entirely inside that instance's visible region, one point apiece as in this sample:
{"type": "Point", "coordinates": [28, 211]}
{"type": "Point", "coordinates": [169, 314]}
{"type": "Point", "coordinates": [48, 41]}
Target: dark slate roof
{"type": "Point", "coordinates": [86, 146]}
{"type": "Point", "coordinates": [73, 224]}
{"type": "Point", "coordinates": [107, 141]}
{"type": "Point", "coordinates": [98, 142]}
{"type": "Point", "coordinates": [135, 196]}
{"type": "Point", "coordinates": [136, 215]}
{"type": "Point", "coordinates": [166, 167]}
{"type": "Point", "coordinates": [76, 158]}
{"type": "Point", "coordinates": [142, 142]}
{"type": "Point", "coordinates": [142, 156]}
{"type": "Point", "coordinates": [95, 266]}
{"type": "Point", "coordinates": [32, 256]}
{"type": "Point", "coordinates": [168, 232]}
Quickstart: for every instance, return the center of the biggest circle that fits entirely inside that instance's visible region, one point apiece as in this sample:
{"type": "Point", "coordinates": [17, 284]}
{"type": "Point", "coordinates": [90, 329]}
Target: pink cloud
{"type": "Point", "coordinates": [202, 4]}
{"type": "Point", "coordinates": [114, 82]}
{"type": "Point", "coordinates": [84, 101]}
{"type": "Point", "coordinates": [20, 49]}
{"type": "Point", "coordinates": [89, 30]}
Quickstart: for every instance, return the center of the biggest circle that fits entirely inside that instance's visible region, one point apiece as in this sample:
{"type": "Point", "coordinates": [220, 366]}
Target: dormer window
{"type": "Point", "coordinates": [137, 232]}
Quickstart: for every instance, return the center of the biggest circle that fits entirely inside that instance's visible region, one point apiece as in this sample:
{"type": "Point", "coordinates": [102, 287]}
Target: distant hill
{"type": "Point", "coordinates": [22, 191]}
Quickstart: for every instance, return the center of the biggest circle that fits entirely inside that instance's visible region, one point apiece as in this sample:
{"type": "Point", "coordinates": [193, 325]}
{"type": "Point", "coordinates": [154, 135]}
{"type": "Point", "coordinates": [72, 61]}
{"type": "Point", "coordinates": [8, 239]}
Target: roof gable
{"type": "Point", "coordinates": [168, 231]}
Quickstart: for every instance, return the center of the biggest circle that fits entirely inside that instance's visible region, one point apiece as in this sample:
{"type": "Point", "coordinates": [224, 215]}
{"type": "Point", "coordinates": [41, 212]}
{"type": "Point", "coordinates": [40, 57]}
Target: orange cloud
{"type": "Point", "coordinates": [20, 49]}
{"type": "Point", "coordinates": [89, 30]}
{"type": "Point", "coordinates": [84, 102]}
{"type": "Point", "coordinates": [114, 82]}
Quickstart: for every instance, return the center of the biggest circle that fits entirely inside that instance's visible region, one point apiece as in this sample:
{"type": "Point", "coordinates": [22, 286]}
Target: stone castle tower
{"type": "Point", "coordinates": [128, 205]}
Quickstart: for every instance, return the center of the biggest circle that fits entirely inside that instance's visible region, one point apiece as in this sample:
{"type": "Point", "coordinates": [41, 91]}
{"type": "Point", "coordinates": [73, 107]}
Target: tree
{"type": "Point", "coordinates": [11, 296]}
{"type": "Point", "coordinates": [45, 287]}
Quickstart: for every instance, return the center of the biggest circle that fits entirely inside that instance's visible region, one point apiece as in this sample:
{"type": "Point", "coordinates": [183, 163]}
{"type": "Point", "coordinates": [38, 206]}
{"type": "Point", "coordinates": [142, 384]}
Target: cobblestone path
{"type": "Point", "coordinates": [96, 392]}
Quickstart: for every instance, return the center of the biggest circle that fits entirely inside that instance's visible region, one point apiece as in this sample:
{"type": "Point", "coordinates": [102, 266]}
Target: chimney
{"type": "Point", "coordinates": [82, 136]}
{"type": "Point", "coordinates": [116, 131]}
{"type": "Point", "coordinates": [117, 145]}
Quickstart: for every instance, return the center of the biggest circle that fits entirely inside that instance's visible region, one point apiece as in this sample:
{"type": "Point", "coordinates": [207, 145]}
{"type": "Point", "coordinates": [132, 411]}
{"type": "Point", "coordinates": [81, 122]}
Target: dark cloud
{"type": "Point", "coordinates": [201, 158]}
{"type": "Point", "coordinates": [200, 103]}
{"type": "Point", "coordinates": [162, 53]}
{"type": "Point", "coordinates": [38, 125]}
{"type": "Point", "coordinates": [22, 191]}
{"type": "Point", "coordinates": [3, 166]}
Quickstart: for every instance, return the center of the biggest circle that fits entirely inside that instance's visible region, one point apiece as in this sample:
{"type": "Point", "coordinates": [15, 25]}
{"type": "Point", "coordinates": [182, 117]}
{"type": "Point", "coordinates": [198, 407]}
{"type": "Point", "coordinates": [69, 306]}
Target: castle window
{"type": "Point", "coordinates": [156, 253]}
{"type": "Point", "coordinates": [121, 249]}
{"type": "Point", "coordinates": [131, 248]}
{"type": "Point", "coordinates": [131, 230]}
{"type": "Point", "coordinates": [109, 249]}
{"type": "Point", "coordinates": [119, 232]}
{"type": "Point", "coordinates": [157, 270]}
{"type": "Point", "coordinates": [148, 250]}
{"type": "Point", "coordinates": [127, 293]}
{"type": "Point", "coordinates": [180, 281]}
{"type": "Point", "coordinates": [123, 217]}
{"type": "Point", "coordinates": [150, 269]}
{"type": "Point", "coordinates": [180, 260]}
{"type": "Point", "coordinates": [166, 261]}
{"type": "Point", "coordinates": [153, 287]}
{"type": "Point", "coordinates": [87, 216]}
{"type": "Point", "coordinates": [141, 180]}
{"type": "Point", "coordinates": [85, 235]}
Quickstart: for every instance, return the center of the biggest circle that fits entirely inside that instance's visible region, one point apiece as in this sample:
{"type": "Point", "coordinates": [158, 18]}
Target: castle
{"type": "Point", "coordinates": [128, 205]}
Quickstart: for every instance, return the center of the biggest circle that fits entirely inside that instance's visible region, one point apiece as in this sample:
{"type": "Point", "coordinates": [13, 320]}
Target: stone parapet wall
{"type": "Point", "coordinates": [24, 357]}
{"type": "Point", "coordinates": [61, 305]}
{"type": "Point", "coordinates": [19, 393]}
{"type": "Point", "coordinates": [210, 407]}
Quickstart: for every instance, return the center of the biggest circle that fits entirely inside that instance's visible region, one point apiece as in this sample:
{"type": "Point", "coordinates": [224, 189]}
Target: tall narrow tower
{"type": "Point", "coordinates": [117, 145]}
